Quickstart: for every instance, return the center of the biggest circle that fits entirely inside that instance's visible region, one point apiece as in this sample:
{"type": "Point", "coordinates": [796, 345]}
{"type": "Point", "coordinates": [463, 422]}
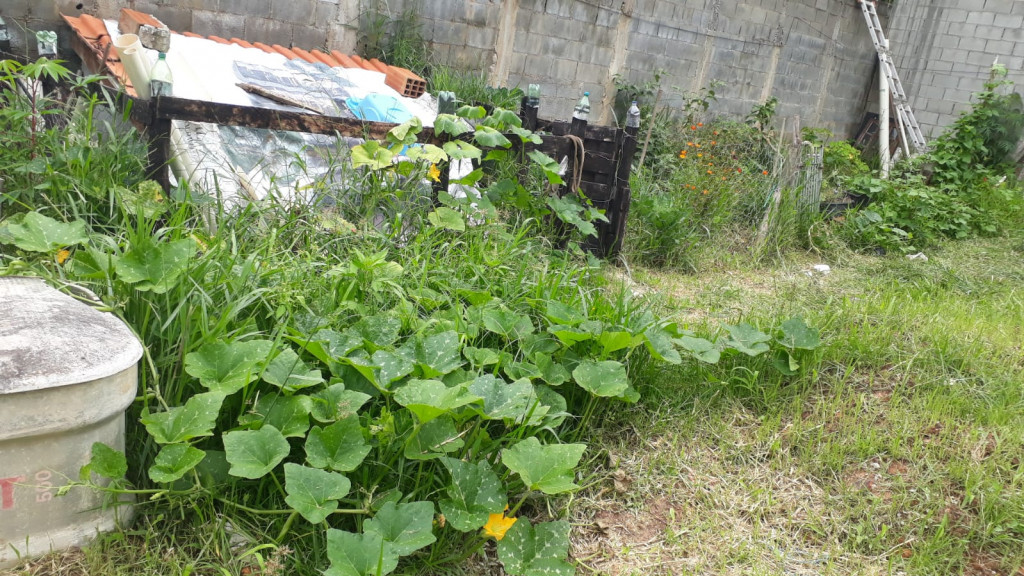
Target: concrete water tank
{"type": "Point", "coordinates": [67, 374]}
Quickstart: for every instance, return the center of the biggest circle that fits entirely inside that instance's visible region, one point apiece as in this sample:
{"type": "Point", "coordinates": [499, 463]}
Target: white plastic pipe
{"type": "Point", "coordinates": [137, 67]}
{"type": "Point", "coordinates": [883, 121]}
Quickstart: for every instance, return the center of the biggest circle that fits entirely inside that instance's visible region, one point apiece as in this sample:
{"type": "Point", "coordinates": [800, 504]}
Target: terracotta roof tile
{"type": "Point", "coordinates": [93, 32]}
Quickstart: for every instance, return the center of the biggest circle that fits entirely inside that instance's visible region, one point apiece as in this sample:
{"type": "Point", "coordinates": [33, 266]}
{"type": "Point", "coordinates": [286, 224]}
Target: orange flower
{"type": "Point", "coordinates": [713, 142]}
{"type": "Point", "coordinates": [689, 143]}
{"type": "Point", "coordinates": [710, 172]}
{"type": "Point", "coordinates": [63, 256]}
{"type": "Point", "coordinates": [701, 124]}
{"type": "Point", "coordinates": [705, 192]}
{"type": "Point", "coordinates": [715, 132]}
{"type": "Point", "coordinates": [693, 127]}
{"type": "Point", "coordinates": [699, 155]}
{"type": "Point", "coordinates": [497, 525]}
{"type": "Point", "coordinates": [739, 171]}
{"type": "Point", "coordinates": [698, 145]}
{"type": "Point", "coordinates": [765, 172]}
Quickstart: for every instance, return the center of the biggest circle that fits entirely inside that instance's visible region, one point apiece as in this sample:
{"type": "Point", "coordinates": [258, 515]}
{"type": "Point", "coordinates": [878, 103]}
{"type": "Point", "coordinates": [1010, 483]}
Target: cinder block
{"type": "Point", "coordinates": [294, 11]}
{"type": "Point", "coordinates": [481, 37]}
{"type": "Point", "coordinates": [998, 47]}
{"type": "Point", "coordinates": [1000, 6]}
{"type": "Point", "coordinates": [967, 43]}
{"type": "Point", "coordinates": [989, 32]}
{"type": "Point", "coordinates": [244, 7]}
{"type": "Point", "coordinates": [209, 23]}
{"type": "Point", "coordinates": [984, 18]}
{"type": "Point", "coordinates": [267, 31]}
{"type": "Point", "coordinates": [308, 37]}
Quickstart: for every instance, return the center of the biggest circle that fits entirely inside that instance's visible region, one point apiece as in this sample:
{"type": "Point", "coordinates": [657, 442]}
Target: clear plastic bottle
{"type": "Point", "coordinates": [633, 116]}
{"type": "Point", "coordinates": [160, 80]}
{"type": "Point", "coordinates": [582, 111]}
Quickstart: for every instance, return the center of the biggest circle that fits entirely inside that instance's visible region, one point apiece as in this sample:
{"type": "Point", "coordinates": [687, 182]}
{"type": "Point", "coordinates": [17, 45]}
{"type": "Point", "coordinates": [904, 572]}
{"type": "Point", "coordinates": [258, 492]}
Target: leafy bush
{"type": "Point", "coordinates": [969, 190]}
{"type": "Point", "coordinates": [404, 387]}
{"type": "Point", "coordinates": [717, 177]}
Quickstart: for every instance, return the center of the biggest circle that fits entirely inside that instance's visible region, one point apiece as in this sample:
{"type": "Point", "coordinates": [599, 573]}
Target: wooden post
{"type": "Point", "coordinates": [619, 206]}
{"type": "Point", "coordinates": [158, 133]}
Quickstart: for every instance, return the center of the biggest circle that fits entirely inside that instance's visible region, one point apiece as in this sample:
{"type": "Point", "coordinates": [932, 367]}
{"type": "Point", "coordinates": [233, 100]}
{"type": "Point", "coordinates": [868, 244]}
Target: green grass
{"type": "Point", "coordinates": [899, 453]}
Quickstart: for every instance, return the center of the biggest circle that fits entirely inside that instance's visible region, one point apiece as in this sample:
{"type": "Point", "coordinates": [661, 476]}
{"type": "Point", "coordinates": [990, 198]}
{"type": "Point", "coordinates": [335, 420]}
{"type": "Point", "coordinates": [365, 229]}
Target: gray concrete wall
{"type": "Point", "coordinates": [815, 56]}
{"type": "Point", "coordinates": [944, 50]}
{"type": "Point", "coordinates": [306, 23]}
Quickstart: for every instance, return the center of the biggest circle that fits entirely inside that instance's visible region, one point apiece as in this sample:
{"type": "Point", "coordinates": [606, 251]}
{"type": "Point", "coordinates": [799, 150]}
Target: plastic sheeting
{"type": "Point", "coordinates": [246, 164]}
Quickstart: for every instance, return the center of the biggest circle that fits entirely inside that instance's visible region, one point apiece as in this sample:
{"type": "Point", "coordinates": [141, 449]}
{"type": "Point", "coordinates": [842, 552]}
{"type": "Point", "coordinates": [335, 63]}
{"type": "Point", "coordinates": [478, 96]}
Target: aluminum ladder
{"type": "Point", "coordinates": [908, 126]}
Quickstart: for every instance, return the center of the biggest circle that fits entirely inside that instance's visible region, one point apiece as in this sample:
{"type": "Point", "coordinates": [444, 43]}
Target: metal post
{"type": "Point", "coordinates": [883, 121]}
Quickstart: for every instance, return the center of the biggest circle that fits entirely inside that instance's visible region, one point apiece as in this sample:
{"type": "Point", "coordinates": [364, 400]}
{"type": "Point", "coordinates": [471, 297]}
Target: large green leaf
{"type": "Point", "coordinates": [428, 399]}
{"type": "Point", "coordinates": [560, 313]}
{"type": "Point", "coordinates": [173, 462]}
{"type": "Point", "coordinates": [552, 371]}
{"type": "Point", "coordinates": [392, 367]}
{"type": "Point", "coordinates": [288, 372]}
{"type": "Point", "coordinates": [659, 344]}
{"type": "Point", "coordinates": [227, 367]}
{"type": "Point", "coordinates": [701, 349]}
{"type": "Point", "coordinates": [313, 493]}
{"type": "Point", "coordinates": [39, 233]}
{"type": "Point", "coordinates": [606, 378]}
{"type": "Point", "coordinates": [797, 334]}
{"type": "Point", "coordinates": [473, 495]}
{"type": "Point", "coordinates": [480, 357]}
{"type": "Point", "coordinates": [106, 462]}
{"type": "Point", "coordinates": [405, 528]}
{"type": "Point", "coordinates": [615, 340]}
{"type": "Point", "coordinates": [373, 155]}
{"type": "Point", "coordinates": [490, 138]}
{"type": "Point", "coordinates": [340, 446]}
{"type": "Point", "coordinates": [546, 468]}
{"type": "Point", "coordinates": [378, 331]}
{"type": "Point", "coordinates": [405, 133]}
{"type": "Point", "coordinates": [336, 403]}
{"type": "Point", "coordinates": [506, 323]}
{"type": "Point", "coordinates": [528, 550]}
{"type": "Point", "coordinates": [254, 453]}
{"type": "Point", "coordinates": [359, 554]}
{"type": "Point", "coordinates": [554, 406]}
{"type": "Point", "coordinates": [289, 414]}
{"type": "Point", "coordinates": [747, 339]}
{"type": "Point", "coordinates": [570, 335]}
{"type": "Point", "coordinates": [436, 355]}
{"type": "Point", "coordinates": [548, 165]}
{"type": "Point", "coordinates": [447, 219]}
{"type": "Point", "coordinates": [503, 400]}
{"type": "Point", "coordinates": [182, 423]}
{"type": "Point", "coordinates": [434, 439]}
{"type": "Point", "coordinates": [155, 266]}
{"type": "Point", "coordinates": [458, 150]}
{"type": "Point", "coordinates": [451, 125]}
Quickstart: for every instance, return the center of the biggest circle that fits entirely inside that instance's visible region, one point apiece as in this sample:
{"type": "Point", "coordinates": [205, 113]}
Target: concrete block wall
{"type": "Point", "coordinates": [944, 50]}
{"type": "Point", "coordinates": [304, 23]}
{"type": "Point", "coordinates": [815, 56]}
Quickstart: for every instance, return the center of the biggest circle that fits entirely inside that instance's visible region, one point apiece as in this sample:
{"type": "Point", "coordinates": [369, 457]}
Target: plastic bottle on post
{"type": "Point", "coordinates": [582, 111]}
{"type": "Point", "coordinates": [633, 116]}
{"type": "Point", "coordinates": [160, 80]}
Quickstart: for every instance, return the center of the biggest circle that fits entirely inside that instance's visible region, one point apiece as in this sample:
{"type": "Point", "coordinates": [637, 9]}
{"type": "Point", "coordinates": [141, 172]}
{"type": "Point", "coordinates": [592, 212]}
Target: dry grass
{"type": "Point", "coordinates": [899, 454]}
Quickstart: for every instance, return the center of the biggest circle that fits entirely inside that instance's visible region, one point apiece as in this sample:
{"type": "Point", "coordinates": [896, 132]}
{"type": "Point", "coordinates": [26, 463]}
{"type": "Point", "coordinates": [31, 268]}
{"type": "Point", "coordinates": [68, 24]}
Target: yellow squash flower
{"type": "Point", "coordinates": [63, 256]}
{"type": "Point", "coordinates": [434, 173]}
{"type": "Point", "coordinates": [497, 525]}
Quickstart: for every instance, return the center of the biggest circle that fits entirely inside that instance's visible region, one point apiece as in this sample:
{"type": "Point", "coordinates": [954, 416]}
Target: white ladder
{"type": "Point", "coordinates": [908, 126]}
